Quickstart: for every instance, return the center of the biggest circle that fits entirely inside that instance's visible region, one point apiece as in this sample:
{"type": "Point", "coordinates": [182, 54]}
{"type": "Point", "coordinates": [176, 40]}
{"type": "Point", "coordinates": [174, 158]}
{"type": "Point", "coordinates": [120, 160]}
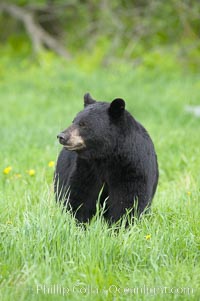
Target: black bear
{"type": "Point", "coordinates": [108, 155]}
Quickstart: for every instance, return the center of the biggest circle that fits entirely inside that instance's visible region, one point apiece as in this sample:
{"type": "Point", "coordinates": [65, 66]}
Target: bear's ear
{"type": "Point", "coordinates": [117, 107]}
{"type": "Point", "coordinates": [88, 100]}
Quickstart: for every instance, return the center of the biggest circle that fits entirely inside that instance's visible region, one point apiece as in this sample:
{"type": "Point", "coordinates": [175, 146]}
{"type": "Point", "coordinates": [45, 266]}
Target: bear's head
{"type": "Point", "coordinates": [95, 130]}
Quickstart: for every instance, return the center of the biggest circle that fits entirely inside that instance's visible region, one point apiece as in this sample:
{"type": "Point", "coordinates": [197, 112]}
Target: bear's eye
{"type": "Point", "coordinates": [82, 124]}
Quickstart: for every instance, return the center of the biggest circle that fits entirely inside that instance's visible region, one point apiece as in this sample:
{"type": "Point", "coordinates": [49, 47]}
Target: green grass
{"type": "Point", "coordinates": [42, 250]}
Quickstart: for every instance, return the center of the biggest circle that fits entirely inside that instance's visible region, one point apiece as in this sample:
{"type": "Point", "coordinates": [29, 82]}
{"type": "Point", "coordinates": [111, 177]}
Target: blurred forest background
{"type": "Point", "coordinates": [151, 34]}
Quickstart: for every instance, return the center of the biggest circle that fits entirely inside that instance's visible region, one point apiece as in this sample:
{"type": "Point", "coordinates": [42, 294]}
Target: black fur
{"type": "Point", "coordinates": [119, 157]}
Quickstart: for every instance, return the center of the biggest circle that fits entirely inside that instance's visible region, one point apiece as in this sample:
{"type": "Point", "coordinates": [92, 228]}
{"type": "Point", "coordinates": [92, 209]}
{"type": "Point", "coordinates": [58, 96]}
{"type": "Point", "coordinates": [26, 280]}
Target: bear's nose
{"type": "Point", "coordinates": [61, 138]}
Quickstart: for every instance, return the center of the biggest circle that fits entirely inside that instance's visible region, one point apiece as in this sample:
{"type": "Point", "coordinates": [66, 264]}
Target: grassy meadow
{"type": "Point", "coordinates": [44, 255]}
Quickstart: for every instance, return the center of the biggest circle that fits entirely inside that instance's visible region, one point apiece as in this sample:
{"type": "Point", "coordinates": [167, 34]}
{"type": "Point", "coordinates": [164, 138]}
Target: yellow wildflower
{"type": "Point", "coordinates": [7, 170]}
{"type": "Point", "coordinates": [31, 172]}
{"type": "Point", "coordinates": [148, 236]}
{"type": "Point", "coordinates": [9, 223]}
{"type": "Point", "coordinates": [51, 164]}
{"type": "Point", "coordinates": [188, 193]}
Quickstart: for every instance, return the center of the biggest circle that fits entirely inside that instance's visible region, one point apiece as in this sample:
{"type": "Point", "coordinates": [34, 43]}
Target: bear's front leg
{"type": "Point", "coordinates": [84, 190]}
